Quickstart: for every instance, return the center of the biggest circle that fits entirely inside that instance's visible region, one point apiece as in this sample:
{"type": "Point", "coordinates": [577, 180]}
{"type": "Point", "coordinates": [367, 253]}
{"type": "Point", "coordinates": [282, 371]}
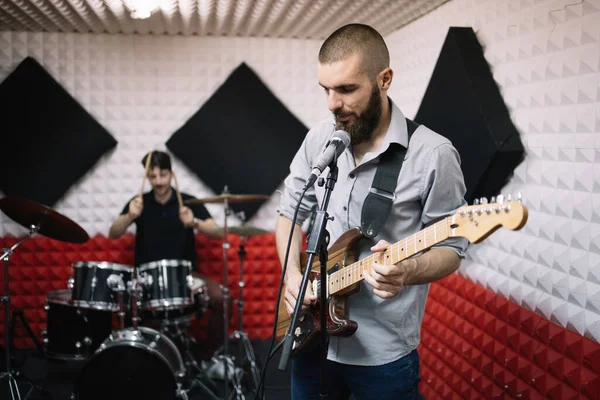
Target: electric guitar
{"type": "Point", "coordinates": [344, 271]}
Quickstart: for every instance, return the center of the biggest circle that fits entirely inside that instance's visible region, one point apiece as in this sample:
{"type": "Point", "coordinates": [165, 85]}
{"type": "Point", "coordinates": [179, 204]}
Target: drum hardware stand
{"type": "Point", "coordinates": [134, 287]}
{"type": "Point", "coordinates": [9, 328]}
{"type": "Point", "coordinates": [18, 313]}
{"type": "Point", "coordinates": [116, 284]}
{"type": "Point", "coordinates": [196, 374]}
{"type": "Point", "coordinates": [240, 335]}
{"type": "Point", "coordinates": [225, 289]}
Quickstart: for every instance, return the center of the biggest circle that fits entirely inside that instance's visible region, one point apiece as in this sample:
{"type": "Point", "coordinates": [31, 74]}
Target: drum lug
{"type": "Point", "coordinates": [146, 280]}
{"type": "Point", "coordinates": [87, 341]}
{"type": "Point", "coordinates": [46, 307]}
{"type": "Point", "coordinates": [46, 340]}
{"type": "Point", "coordinates": [190, 281]}
{"type": "Point", "coordinates": [44, 333]}
{"type": "Point", "coordinates": [78, 345]}
{"type": "Point", "coordinates": [71, 283]}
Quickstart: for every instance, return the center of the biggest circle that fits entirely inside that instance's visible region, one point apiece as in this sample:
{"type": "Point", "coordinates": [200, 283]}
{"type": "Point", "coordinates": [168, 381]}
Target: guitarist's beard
{"type": "Point", "coordinates": [362, 130]}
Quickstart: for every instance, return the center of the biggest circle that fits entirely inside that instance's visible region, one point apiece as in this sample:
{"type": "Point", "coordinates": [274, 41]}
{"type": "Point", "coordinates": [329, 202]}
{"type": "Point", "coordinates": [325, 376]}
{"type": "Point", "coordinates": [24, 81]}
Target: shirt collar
{"type": "Point", "coordinates": [397, 132]}
{"type": "Point", "coordinates": [171, 200]}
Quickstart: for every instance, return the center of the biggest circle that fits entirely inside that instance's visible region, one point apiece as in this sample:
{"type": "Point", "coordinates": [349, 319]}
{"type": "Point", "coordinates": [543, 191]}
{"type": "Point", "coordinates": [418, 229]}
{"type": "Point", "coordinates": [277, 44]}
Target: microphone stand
{"type": "Point", "coordinates": [318, 241]}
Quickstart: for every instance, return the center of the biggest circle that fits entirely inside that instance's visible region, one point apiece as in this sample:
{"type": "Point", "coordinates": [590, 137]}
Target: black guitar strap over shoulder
{"type": "Point", "coordinates": [378, 203]}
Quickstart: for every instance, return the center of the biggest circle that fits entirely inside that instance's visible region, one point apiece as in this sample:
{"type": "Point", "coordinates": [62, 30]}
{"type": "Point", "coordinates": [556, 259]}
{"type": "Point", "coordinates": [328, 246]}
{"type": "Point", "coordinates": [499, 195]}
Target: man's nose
{"type": "Point", "coordinates": [334, 101]}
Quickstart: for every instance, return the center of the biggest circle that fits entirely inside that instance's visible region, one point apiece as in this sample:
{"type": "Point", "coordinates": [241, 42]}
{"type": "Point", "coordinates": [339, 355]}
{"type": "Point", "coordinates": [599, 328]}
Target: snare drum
{"type": "Point", "coordinates": [142, 364]}
{"type": "Point", "coordinates": [167, 284]}
{"type": "Point", "coordinates": [90, 284]}
{"type": "Point", "coordinates": [73, 333]}
{"type": "Point", "coordinates": [183, 314]}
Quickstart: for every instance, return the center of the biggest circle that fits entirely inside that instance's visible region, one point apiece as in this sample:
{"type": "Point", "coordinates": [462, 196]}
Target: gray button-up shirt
{"type": "Point", "coordinates": [430, 186]}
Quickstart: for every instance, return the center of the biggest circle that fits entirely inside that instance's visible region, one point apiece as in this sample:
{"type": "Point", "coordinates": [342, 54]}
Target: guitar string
{"type": "Point", "coordinates": [412, 239]}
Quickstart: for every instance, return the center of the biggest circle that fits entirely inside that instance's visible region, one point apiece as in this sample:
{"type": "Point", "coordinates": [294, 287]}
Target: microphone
{"type": "Point", "coordinates": [334, 148]}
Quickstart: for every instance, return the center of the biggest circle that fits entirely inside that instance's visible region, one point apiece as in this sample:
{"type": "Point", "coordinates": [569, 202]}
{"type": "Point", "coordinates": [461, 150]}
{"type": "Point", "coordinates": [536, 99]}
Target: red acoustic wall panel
{"type": "Point", "coordinates": [41, 265]}
{"type": "Point", "coordinates": [475, 344]}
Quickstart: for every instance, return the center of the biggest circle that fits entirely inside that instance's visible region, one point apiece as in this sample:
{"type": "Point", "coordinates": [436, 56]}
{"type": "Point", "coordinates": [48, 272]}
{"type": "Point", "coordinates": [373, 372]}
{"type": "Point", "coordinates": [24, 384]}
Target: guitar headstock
{"type": "Point", "coordinates": [480, 220]}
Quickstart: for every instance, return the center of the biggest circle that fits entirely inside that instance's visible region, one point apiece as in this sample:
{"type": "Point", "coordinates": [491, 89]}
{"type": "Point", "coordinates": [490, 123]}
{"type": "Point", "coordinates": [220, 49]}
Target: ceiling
{"type": "Point", "coordinates": [303, 19]}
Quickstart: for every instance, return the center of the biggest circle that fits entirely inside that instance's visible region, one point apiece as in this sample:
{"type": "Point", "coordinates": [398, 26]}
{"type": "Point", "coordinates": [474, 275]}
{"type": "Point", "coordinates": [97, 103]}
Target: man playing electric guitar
{"type": "Point", "coordinates": [378, 361]}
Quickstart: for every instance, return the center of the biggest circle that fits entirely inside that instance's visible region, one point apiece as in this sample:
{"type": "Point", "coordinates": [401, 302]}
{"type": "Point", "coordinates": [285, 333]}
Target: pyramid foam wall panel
{"type": "Point", "coordinates": [545, 59]}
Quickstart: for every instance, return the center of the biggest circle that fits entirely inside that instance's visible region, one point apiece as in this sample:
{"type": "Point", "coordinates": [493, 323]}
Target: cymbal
{"type": "Point", "coordinates": [231, 198]}
{"type": "Point", "coordinates": [246, 231]}
{"type": "Point", "coordinates": [50, 223]}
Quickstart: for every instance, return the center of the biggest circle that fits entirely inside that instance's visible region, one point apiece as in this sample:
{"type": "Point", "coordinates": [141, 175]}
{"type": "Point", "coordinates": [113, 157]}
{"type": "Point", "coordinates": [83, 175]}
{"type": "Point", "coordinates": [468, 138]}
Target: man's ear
{"type": "Point", "coordinates": [385, 78]}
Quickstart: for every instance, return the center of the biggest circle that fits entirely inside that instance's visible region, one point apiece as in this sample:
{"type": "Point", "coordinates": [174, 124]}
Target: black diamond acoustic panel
{"type": "Point", "coordinates": [49, 141]}
{"type": "Point", "coordinates": [243, 137]}
{"type": "Point", "coordinates": [464, 103]}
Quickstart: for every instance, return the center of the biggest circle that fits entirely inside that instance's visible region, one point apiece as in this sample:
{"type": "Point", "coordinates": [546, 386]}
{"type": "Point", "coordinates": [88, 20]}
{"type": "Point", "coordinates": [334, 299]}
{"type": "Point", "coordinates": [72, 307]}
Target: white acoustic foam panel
{"type": "Point", "coordinates": [545, 57]}
{"type": "Point", "coordinates": [142, 89]}
{"type": "Point", "coordinates": [302, 19]}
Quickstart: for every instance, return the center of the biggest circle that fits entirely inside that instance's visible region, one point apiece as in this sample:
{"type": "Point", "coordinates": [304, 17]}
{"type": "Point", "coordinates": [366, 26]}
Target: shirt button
{"type": "Point", "coordinates": [345, 208]}
{"type": "Point", "coordinates": [351, 176]}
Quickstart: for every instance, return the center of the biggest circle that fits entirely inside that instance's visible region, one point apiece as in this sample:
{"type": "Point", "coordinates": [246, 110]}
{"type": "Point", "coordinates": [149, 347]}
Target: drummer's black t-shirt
{"type": "Point", "coordinates": [160, 234]}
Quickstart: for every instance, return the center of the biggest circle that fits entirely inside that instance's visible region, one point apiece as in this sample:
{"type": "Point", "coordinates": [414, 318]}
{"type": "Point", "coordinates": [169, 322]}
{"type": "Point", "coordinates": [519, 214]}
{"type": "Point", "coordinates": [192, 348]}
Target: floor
{"type": "Point", "coordinates": [55, 379]}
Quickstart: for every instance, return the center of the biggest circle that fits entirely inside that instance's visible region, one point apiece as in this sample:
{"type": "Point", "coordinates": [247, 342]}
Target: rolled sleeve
{"type": "Point", "coordinates": [443, 192]}
{"type": "Point", "coordinates": [294, 184]}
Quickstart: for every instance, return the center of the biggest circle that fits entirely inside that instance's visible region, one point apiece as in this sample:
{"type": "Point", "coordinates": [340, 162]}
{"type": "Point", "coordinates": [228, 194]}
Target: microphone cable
{"type": "Point", "coordinates": [261, 386]}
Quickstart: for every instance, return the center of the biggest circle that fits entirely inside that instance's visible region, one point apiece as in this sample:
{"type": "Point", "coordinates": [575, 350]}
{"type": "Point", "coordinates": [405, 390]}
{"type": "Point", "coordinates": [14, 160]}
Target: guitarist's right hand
{"type": "Point", "coordinates": [292, 288]}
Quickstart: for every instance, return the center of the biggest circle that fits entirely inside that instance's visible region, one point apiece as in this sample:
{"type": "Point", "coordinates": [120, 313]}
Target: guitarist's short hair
{"type": "Point", "coordinates": [357, 38]}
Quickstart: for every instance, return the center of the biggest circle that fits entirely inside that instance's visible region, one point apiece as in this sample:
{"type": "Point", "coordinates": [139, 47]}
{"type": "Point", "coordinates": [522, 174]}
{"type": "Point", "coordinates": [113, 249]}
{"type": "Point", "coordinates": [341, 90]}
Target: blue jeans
{"type": "Point", "coordinates": [397, 380]}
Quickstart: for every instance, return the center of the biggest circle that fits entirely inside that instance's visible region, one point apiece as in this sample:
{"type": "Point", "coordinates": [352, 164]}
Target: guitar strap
{"type": "Point", "coordinates": [378, 203]}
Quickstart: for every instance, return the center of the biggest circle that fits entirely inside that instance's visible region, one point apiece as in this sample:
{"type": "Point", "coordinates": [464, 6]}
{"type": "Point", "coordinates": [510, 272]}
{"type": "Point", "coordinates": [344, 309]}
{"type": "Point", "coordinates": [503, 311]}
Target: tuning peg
{"type": "Point", "coordinates": [519, 199]}
{"type": "Point", "coordinates": [484, 200]}
{"type": "Point", "coordinates": [500, 199]}
{"type": "Point", "coordinates": [509, 197]}
{"type": "Point", "coordinates": [476, 202]}
{"type": "Point", "coordinates": [493, 200]}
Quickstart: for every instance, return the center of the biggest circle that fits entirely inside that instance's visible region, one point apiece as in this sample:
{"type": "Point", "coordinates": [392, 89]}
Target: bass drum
{"type": "Point", "coordinates": [73, 333]}
{"type": "Point", "coordinates": [141, 364]}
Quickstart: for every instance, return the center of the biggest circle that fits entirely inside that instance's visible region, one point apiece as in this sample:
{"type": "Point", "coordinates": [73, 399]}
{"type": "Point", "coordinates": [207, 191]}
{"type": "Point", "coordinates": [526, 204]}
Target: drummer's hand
{"type": "Point", "coordinates": [135, 207]}
{"type": "Point", "coordinates": [186, 216]}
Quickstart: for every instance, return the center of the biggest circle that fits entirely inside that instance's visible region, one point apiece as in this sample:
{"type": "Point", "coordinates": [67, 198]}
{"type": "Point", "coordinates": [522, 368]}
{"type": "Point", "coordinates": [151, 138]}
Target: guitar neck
{"type": "Point", "coordinates": [397, 252]}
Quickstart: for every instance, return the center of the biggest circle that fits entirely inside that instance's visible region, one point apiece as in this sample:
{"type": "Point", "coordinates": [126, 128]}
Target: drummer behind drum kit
{"type": "Point", "coordinates": [152, 363]}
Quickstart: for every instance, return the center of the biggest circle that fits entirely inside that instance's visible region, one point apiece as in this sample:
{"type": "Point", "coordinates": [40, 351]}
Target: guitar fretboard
{"type": "Point", "coordinates": [397, 252]}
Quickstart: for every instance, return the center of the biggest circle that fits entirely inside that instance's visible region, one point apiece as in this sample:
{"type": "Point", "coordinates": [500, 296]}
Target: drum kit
{"type": "Point", "coordinates": [151, 361]}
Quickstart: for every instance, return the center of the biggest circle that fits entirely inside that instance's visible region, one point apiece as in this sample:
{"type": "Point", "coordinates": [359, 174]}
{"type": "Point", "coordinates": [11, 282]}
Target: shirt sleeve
{"type": "Point", "coordinates": [125, 209]}
{"type": "Point", "coordinates": [200, 212]}
{"type": "Point", "coordinates": [294, 184]}
{"type": "Point", "coordinates": [443, 192]}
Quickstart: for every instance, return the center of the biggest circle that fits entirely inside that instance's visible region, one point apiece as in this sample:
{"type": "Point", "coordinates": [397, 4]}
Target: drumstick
{"type": "Point", "coordinates": [145, 173]}
{"type": "Point", "coordinates": [177, 190]}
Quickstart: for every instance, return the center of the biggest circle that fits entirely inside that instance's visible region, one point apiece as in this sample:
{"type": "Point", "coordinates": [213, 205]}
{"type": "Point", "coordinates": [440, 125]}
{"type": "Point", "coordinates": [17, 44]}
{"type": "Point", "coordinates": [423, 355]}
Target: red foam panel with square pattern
{"type": "Point", "coordinates": [474, 345]}
{"type": "Point", "coordinates": [495, 349]}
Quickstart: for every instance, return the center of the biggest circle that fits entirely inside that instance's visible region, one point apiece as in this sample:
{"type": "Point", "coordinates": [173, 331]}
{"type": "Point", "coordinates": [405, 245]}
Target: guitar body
{"type": "Point", "coordinates": [307, 333]}
{"type": "Point", "coordinates": [344, 271]}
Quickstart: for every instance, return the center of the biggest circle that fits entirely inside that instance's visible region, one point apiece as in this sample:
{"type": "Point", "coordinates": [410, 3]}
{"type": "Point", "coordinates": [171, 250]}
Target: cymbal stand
{"type": "Point", "coordinates": [240, 334]}
{"type": "Point", "coordinates": [225, 288]}
{"type": "Point", "coordinates": [12, 382]}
